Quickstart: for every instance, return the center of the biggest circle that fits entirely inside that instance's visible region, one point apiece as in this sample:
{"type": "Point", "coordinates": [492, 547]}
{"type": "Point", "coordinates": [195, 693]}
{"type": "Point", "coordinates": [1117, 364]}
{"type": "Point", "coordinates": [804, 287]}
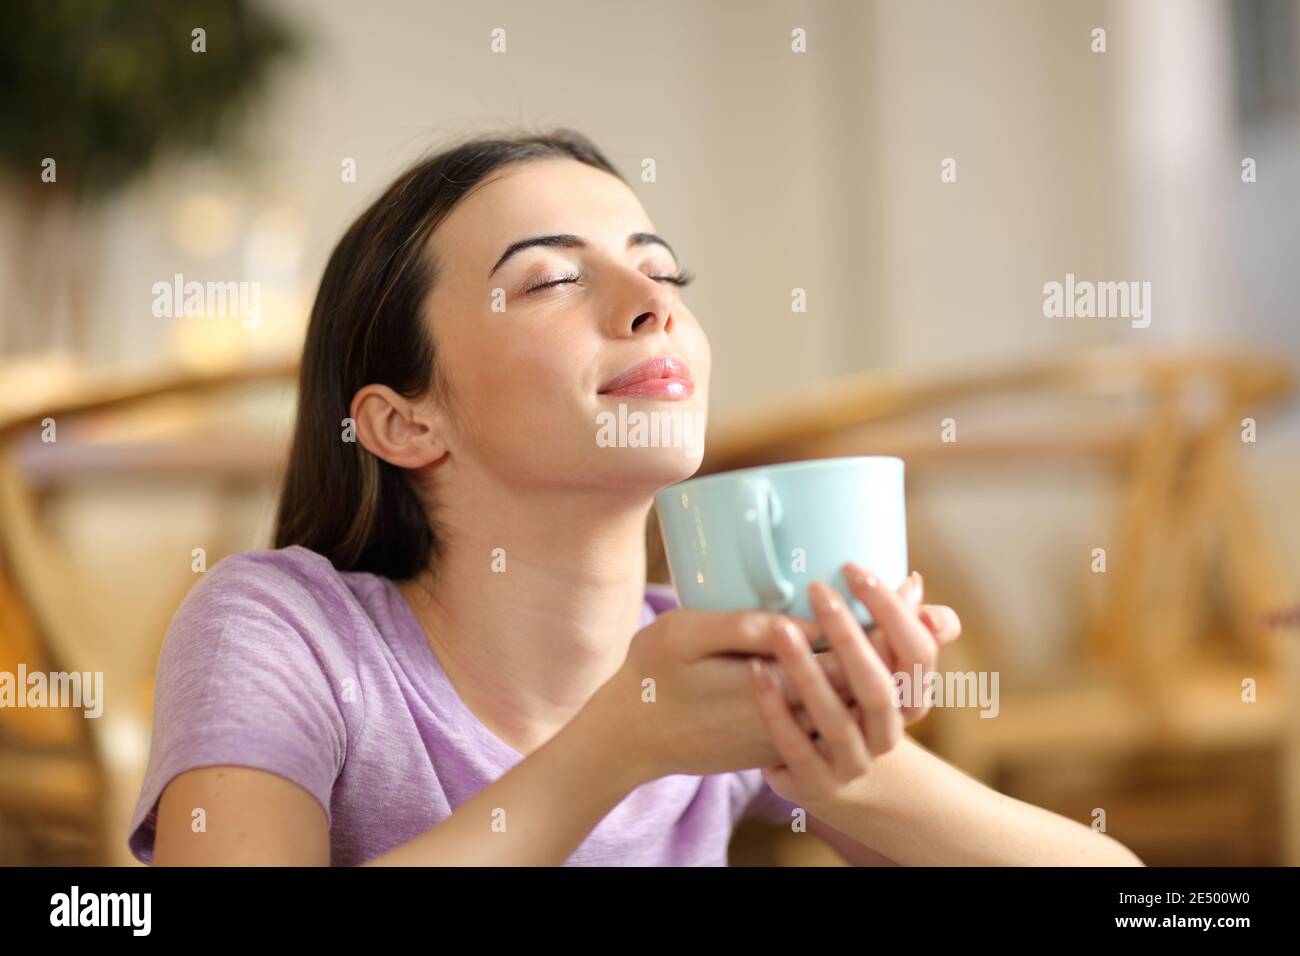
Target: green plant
{"type": "Point", "coordinates": [104, 87]}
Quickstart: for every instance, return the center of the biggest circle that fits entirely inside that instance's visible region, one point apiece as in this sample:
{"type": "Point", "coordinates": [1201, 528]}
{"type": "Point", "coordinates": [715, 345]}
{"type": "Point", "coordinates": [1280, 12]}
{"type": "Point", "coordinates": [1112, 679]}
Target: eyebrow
{"type": "Point", "coordinates": [568, 241]}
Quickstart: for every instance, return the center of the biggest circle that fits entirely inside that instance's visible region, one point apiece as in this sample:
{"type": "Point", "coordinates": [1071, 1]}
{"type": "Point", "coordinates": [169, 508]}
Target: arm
{"type": "Point", "coordinates": [552, 799]}
{"type": "Point", "coordinates": [879, 789]}
{"type": "Point", "coordinates": [850, 850]}
{"type": "Point", "coordinates": [922, 811]}
{"type": "Point", "coordinates": [278, 823]}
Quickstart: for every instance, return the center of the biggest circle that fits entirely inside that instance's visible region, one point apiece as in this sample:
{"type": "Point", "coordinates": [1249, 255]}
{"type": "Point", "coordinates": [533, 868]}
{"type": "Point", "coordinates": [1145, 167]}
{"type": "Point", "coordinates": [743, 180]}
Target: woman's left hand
{"type": "Point", "coordinates": [906, 632]}
{"type": "Point", "coordinates": [846, 738]}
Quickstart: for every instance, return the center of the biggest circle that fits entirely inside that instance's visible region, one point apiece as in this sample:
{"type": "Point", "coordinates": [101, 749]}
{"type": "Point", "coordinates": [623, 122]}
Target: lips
{"type": "Point", "coordinates": [661, 377]}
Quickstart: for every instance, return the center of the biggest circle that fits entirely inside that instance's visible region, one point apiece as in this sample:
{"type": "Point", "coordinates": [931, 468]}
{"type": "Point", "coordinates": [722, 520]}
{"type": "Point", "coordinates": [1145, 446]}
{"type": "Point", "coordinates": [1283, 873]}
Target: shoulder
{"type": "Point", "coordinates": [262, 647]}
{"type": "Point", "coordinates": [292, 584]}
{"type": "Point", "coordinates": [288, 604]}
{"type": "Point", "coordinates": [269, 572]}
{"type": "Point", "coordinates": [254, 671]}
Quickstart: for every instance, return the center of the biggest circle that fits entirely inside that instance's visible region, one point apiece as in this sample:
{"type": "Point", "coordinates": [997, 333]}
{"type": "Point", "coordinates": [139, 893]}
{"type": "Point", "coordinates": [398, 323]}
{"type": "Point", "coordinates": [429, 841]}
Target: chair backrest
{"type": "Point", "coordinates": [60, 616]}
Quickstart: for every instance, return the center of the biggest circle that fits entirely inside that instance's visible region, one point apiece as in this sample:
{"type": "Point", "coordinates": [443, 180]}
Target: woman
{"type": "Point", "coordinates": [451, 656]}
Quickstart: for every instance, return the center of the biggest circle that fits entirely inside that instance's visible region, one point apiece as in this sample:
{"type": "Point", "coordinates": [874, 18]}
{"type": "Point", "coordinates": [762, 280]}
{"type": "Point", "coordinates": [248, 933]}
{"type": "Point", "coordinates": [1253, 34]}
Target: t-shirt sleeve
{"type": "Point", "coordinates": [246, 677]}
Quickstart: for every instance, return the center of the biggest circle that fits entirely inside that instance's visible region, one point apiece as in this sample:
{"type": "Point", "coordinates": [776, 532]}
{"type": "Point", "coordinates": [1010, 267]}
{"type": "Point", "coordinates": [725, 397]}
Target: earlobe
{"type": "Point", "coordinates": [396, 429]}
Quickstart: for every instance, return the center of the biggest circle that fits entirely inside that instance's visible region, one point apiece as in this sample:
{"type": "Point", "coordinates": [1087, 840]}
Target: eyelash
{"type": "Point", "coordinates": [680, 278]}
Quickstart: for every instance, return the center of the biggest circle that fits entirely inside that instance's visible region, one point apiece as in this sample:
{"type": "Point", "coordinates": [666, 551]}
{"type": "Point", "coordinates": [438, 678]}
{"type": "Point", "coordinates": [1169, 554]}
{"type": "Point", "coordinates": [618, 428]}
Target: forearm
{"type": "Point", "coordinates": [917, 809]}
{"type": "Point", "coordinates": [536, 814]}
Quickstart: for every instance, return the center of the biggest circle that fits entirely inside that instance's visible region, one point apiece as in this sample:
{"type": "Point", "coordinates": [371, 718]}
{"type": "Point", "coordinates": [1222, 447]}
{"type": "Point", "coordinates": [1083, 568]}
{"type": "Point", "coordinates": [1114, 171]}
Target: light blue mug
{"type": "Point", "coordinates": [757, 537]}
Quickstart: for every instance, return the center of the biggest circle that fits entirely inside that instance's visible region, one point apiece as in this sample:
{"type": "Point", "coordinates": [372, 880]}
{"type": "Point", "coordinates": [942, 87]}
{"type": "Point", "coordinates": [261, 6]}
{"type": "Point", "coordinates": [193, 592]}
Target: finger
{"type": "Point", "coordinates": [909, 641]}
{"type": "Point", "coordinates": [877, 638]}
{"type": "Point", "coordinates": [856, 713]}
{"type": "Point", "coordinates": [910, 592]}
{"type": "Point", "coordinates": [732, 632]}
{"type": "Point", "coordinates": [869, 679]}
{"type": "Point", "coordinates": [942, 622]}
{"type": "Point", "coordinates": [810, 628]}
{"type": "Point", "coordinates": [834, 723]}
{"type": "Point", "coordinates": [834, 673]}
{"type": "Point", "coordinates": [802, 717]}
{"type": "Point", "coordinates": [792, 742]}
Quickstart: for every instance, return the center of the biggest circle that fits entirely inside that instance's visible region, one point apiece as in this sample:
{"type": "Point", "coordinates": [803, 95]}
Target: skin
{"type": "Point", "coordinates": [548, 655]}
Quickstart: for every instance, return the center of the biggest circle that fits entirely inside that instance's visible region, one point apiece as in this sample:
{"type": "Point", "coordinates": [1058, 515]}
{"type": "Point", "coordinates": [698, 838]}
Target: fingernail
{"type": "Point", "coordinates": [825, 599]}
{"type": "Point", "coordinates": [795, 635]}
{"type": "Point", "coordinates": [780, 630]}
{"type": "Point", "coordinates": [859, 576]}
{"type": "Point", "coordinates": [778, 626]}
{"type": "Point", "coordinates": [914, 589]}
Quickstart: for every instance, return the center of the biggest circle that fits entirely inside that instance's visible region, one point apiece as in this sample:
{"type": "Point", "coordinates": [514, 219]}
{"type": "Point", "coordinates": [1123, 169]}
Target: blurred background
{"type": "Point", "coordinates": [873, 196]}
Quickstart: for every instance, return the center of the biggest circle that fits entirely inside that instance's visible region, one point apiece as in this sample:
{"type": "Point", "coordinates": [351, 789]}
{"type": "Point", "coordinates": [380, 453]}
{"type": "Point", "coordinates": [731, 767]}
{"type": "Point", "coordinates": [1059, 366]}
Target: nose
{"type": "Point", "coordinates": [650, 308]}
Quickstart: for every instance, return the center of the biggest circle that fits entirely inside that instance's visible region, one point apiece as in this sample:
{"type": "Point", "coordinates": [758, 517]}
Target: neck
{"type": "Point", "coordinates": [532, 607]}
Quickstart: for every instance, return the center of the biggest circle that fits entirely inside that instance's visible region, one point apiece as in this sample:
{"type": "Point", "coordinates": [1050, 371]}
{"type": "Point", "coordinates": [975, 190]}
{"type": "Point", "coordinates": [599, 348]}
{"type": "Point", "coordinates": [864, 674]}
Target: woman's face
{"type": "Point", "coordinates": [530, 339]}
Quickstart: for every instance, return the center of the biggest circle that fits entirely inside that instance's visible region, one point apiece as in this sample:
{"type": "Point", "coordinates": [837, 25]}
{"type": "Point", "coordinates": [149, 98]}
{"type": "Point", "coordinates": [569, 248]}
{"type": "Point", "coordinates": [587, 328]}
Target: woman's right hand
{"type": "Point", "coordinates": [684, 699]}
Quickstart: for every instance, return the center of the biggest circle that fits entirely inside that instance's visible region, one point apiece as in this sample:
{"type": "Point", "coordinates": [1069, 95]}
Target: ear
{"type": "Point", "coordinates": [403, 432]}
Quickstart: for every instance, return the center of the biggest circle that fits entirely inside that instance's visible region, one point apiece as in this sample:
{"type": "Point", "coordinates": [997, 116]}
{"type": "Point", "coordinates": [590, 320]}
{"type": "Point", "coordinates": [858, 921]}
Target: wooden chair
{"type": "Point", "coordinates": [67, 781]}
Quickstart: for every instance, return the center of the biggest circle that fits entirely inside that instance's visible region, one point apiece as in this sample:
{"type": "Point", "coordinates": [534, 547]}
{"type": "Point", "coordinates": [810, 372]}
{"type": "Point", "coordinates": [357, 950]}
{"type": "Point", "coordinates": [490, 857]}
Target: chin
{"type": "Point", "coordinates": [670, 465]}
{"type": "Point", "coordinates": [663, 432]}
{"type": "Point", "coordinates": [649, 444]}
{"type": "Point", "coordinates": [647, 469]}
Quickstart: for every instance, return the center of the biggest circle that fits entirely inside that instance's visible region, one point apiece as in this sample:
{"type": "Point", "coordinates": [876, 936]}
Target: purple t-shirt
{"type": "Point", "coordinates": [278, 661]}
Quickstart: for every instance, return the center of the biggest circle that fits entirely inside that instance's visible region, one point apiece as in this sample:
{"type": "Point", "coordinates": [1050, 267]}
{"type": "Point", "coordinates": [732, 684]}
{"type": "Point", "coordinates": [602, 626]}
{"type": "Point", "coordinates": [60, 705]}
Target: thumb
{"type": "Point", "coordinates": [742, 632]}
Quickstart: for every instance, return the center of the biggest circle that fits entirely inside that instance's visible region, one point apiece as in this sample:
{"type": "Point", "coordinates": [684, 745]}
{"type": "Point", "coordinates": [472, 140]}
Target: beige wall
{"type": "Point", "coordinates": [775, 170]}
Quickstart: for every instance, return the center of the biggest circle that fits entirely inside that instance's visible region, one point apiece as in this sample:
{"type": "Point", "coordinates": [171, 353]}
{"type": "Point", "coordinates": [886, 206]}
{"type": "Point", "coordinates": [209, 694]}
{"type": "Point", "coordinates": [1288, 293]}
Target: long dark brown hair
{"type": "Point", "coordinates": [368, 325]}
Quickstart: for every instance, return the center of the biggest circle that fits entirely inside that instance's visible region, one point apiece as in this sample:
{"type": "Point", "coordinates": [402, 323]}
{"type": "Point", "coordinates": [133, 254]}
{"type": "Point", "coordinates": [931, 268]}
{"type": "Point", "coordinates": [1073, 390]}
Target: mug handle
{"type": "Point", "coordinates": [757, 548]}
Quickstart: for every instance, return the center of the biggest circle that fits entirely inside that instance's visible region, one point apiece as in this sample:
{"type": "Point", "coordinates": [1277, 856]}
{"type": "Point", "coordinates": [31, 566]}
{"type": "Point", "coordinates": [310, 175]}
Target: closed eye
{"type": "Point", "coordinates": [547, 283]}
{"type": "Point", "coordinates": [684, 277]}
{"type": "Point", "coordinates": [680, 278]}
